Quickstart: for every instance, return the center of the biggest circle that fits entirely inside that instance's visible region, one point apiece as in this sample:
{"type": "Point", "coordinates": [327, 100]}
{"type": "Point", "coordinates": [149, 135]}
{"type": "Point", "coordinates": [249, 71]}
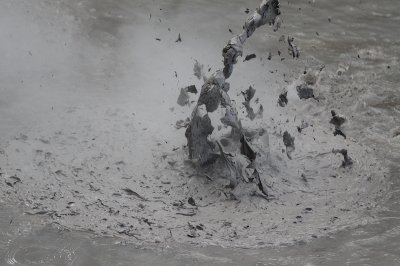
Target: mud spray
{"type": "Point", "coordinates": [245, 165]}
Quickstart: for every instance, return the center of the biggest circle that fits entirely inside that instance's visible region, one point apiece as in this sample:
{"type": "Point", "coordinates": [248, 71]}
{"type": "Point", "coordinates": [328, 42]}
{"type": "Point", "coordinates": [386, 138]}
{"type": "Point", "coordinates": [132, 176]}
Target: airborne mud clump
{"type": "Point", "coordinates": [305, 92]}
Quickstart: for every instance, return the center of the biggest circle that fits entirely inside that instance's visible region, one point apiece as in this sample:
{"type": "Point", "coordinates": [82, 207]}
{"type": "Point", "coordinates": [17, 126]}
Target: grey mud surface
{"type": "Point", "coordinates": [314, 195]}
{"type": "Point", "coordinates": [89, 139]}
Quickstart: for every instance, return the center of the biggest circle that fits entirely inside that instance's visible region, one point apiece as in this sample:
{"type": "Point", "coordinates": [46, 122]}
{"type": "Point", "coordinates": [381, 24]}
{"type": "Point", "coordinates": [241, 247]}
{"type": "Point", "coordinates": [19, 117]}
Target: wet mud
{"type": "Point", "coordinates": [234, 181]}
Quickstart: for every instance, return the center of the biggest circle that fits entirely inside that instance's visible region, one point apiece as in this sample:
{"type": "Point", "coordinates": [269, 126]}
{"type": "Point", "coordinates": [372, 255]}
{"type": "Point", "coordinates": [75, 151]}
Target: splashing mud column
{"type": "Point", "coordinates": [214, 92]}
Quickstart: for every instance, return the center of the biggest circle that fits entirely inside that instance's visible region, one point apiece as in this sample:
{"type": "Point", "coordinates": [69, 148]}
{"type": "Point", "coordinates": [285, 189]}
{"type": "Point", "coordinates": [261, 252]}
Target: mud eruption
{"type": "Point", "coordinates": [111, 156]}
{"type": "Point", "coordinates": [214, 93]}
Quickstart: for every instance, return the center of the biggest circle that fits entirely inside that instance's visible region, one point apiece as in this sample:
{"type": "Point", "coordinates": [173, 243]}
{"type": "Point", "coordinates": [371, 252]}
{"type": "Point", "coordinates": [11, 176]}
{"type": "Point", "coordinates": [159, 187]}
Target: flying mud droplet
{"type": "Point", "coordinates": [305, 92]}
{"type": "Point", "coordinates": [283, 100]}
{"type": "Point", "coordinates": [249, 57]}
{"type": "Point", "coordinates": [179, 38]}
{"type": "Point", "coordinates": [338, 120]}
{"type": "Point", "coordinates": [293, 50]}
{"type": "Point", "coordinates": [288, 140]}
{"type": "Point", "coordinates": [248, 96]}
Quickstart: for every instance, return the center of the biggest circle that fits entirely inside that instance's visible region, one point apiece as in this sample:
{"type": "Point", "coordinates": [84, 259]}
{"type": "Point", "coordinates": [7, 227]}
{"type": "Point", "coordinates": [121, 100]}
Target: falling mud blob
{"type": "Point", "coordinates": [214, 93]}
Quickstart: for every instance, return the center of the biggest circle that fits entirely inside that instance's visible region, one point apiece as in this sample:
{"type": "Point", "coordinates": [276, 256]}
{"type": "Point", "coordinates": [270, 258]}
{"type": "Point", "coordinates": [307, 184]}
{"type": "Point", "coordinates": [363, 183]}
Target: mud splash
{"type": "Point", "coordinates": [215, 93]}
{"type": "Point", "coordinates": [116, 172]}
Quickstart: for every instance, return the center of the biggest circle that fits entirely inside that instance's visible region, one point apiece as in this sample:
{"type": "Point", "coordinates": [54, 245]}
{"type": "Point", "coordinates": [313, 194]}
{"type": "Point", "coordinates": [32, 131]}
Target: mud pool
{"type": "Point", "coordinates": [93, 162]}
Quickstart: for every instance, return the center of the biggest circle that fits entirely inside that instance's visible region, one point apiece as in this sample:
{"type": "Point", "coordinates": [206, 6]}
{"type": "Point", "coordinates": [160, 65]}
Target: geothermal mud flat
{"type": "Point", "coordinates": [90, 174]}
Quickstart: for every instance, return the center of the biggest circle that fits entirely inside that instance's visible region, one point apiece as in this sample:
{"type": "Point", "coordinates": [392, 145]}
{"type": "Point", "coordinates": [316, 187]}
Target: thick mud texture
{"type": "Point", "coordinates": [85, 176]}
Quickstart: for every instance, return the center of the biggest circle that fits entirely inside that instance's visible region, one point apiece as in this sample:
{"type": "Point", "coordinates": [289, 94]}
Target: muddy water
{"type": "Point", "coordinates": [91, 58]}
